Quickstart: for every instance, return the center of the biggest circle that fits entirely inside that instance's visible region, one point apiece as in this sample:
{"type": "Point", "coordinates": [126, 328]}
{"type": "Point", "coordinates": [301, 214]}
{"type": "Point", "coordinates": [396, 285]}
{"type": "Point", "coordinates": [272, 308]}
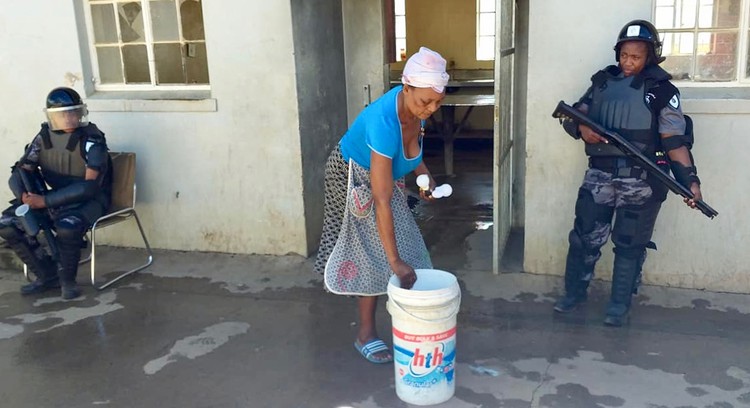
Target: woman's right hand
{"type": "Point", "coordinates": [405, 273]}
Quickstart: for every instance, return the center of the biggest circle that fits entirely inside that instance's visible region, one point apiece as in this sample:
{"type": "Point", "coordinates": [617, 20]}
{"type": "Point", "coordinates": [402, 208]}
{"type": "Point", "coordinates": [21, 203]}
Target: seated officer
{"type": "Point", "coordinates": [69, 168]}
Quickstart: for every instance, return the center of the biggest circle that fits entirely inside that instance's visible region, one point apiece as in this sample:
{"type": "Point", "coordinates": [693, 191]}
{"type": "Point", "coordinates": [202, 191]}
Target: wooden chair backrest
{"type": "Point", "coordinates": [123, 180]}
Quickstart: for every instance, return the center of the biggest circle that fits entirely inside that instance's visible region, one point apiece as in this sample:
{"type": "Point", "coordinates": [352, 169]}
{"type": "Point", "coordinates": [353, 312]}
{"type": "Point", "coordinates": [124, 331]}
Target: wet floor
{"type": "Point", "coordinates": [217, 330]}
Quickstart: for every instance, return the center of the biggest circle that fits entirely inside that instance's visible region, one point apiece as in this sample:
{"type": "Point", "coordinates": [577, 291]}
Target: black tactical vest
{"type": "Point", "coordinates": [62, 157]}
{"type": "Point", "coordinates": [619, 104]}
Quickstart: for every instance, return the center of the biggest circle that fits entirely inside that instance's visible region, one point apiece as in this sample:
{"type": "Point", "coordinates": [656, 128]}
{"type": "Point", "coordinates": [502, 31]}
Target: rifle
{"type": "Point", "coordinates": [567, 112]}
{"type": "Point", "coordinates": [36, 223]}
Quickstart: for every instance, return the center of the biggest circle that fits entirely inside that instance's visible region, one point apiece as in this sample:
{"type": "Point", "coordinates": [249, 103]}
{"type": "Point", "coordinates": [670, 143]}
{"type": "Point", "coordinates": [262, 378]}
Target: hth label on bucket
{"type": "Point", "coordinates": [425, 361]}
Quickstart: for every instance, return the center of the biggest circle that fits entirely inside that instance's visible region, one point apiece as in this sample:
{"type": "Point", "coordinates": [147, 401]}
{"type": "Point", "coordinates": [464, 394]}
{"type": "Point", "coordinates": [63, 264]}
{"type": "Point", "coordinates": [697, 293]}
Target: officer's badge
{"type": "Point", "coordinates": [674, 102]}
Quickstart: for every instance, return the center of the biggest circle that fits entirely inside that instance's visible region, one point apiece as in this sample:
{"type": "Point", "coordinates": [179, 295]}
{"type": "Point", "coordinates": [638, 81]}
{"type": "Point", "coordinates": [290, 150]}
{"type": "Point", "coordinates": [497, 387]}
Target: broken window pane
{"type": "Point", "coordinates": [164, 20]}
{"type": "Point", "coordinates": [131, 22]}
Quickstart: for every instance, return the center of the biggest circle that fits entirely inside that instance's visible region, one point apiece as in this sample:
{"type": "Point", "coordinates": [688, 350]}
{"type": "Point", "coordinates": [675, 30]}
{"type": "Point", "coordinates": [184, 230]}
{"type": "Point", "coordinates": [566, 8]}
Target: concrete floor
{"type": "Point", "coordinates": [216, 330]}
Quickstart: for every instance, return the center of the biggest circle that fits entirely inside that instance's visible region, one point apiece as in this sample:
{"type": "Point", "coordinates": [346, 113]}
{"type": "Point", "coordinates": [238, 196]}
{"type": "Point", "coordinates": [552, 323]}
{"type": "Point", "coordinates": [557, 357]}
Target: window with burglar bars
{"type": "Point", "coordinates": [399, 11]}
{"type": "Point", "coordinates": [485, 30]}
{"type": "Point", "coordinates": [147, 44]}
{"type": "Point", "coordinates": [704, 40]}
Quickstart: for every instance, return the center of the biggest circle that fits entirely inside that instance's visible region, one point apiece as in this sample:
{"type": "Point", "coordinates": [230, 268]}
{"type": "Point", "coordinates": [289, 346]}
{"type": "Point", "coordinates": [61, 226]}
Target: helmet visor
{"type": "Point", "coordinates": [67, 117]}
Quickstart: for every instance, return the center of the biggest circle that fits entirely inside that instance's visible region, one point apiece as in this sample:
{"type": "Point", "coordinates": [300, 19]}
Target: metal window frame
{"type": "Point", "coordinates": [479, 29]}
{"type": "Point", "coordinates": [743, 33]}
{"type": "Point", "coordinates": [148, 41]}
{"type": "Point", "coordinates": [395, 37]}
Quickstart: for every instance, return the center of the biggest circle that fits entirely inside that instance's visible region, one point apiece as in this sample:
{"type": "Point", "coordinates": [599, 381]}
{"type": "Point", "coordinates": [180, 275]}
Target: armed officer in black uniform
{"type": "Point", "coordinates": [69, 162]}
{"type": "Point", "coordinates": [635, 99]}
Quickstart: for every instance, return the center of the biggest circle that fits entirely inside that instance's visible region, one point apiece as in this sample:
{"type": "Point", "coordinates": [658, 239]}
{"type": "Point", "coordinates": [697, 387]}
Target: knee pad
{"type": "Point", "coordinates": [589, 212]}
{"type": "Point", "coordinates": [70, 228]}
{"type": "Point", "coordinates": [633, 229]}
{"type": "Point", "coordinates": [9, 232]}
{"type": "Point", "coordinates": [592, 225]}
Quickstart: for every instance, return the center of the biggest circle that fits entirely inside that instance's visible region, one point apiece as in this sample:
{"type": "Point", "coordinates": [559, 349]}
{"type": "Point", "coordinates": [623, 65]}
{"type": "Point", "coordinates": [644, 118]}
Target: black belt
{"type": "Point", "coordinates": [619, 167]}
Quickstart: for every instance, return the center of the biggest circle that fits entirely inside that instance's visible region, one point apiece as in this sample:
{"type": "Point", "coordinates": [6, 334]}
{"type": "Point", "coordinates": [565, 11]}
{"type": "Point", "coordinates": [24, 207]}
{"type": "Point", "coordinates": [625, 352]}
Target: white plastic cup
{"type": "Point", "coordinates": [28, 221]}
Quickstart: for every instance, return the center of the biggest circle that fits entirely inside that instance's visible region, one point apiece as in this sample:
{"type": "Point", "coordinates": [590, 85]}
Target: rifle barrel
{"type": "Point", "coordinates": [567, 112]}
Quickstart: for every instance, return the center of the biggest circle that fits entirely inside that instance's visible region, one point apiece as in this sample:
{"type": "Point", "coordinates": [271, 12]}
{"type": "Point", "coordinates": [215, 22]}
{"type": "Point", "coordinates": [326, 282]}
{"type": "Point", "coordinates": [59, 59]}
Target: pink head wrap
{"type": "Point", "coordinates": [425, 69]}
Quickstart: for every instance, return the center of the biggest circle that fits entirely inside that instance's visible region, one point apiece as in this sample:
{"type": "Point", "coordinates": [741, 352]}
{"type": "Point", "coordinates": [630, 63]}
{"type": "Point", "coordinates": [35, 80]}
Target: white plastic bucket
{"type": "Point", "coordinates": [424, 336]}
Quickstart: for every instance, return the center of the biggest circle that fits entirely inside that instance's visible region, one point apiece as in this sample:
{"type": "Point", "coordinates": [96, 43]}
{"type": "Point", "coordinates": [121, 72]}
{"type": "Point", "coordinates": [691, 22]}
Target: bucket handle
{"type": "Point", "coordinates": [402, 309]}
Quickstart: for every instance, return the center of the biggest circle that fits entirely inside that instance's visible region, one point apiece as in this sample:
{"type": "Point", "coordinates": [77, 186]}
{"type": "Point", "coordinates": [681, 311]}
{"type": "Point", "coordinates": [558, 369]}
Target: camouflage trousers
{"type": "Point", "coordinates": [625, 208]}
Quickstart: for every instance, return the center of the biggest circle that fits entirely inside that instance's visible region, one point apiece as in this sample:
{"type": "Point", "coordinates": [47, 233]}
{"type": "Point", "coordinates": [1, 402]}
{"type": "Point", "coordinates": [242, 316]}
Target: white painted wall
{"type": "Point", "coordinates": [568, 42]}
{"type": "Point", "coordinates": [237, 168]}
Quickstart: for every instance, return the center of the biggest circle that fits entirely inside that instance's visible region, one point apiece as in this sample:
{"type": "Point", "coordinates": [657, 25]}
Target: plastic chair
{"type": "Point", "coordinates": [121, 209]}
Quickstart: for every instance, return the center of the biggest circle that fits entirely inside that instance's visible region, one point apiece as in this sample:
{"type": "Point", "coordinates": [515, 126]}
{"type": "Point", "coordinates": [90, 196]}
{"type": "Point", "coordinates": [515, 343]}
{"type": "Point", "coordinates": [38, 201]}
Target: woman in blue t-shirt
{"type": "Point", "coordinates": [369, 232]}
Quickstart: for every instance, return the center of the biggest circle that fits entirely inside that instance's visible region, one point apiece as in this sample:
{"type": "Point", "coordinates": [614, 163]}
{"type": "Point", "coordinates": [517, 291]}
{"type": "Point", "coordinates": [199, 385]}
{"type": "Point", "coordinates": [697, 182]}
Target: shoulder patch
{"type": "Point", "coordinates": [675, 101]}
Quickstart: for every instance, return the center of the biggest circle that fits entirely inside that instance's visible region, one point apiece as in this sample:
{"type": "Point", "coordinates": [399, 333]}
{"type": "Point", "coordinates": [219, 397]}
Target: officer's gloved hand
{"type": "Point", "coordinates": [589, 136]}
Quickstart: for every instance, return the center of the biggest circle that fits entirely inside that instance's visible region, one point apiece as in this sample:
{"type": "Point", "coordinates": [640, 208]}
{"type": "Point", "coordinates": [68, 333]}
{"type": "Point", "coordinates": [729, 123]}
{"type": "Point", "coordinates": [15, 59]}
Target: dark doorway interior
{"type": "Point", "coordinates": [458, 230]}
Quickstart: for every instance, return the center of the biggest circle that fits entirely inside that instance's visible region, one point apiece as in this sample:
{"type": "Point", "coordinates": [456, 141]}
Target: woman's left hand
{"type": "Point", "coordinates": [426, 194]}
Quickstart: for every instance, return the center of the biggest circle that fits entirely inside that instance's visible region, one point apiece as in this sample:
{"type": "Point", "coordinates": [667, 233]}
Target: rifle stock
{"type": "Point", "coordinates": [567, 112]}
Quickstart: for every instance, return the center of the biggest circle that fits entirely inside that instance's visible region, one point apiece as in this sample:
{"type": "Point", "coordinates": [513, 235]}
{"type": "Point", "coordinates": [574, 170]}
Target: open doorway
{"type": "Point", "coordinates": [469, 143]}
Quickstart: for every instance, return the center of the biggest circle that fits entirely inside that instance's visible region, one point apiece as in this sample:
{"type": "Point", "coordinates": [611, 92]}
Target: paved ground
{"type": "Point", "coordinates": [208, 330]}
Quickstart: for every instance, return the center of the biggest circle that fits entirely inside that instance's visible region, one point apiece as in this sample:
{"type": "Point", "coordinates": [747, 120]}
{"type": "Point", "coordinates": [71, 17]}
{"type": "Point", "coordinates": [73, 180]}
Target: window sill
{"type": "Point", "coordinates": [706, 91]}
{"type": "Point", "coordinates": [195, 101]}
{"type": "Point", "coordinates": [716, 106]}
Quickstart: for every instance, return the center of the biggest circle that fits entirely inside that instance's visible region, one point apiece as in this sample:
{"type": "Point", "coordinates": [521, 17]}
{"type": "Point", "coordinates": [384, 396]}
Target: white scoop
{"type": "Point", "coordinates": [442, 191]}
{"type": "Point", "coordinates": [423, 181]}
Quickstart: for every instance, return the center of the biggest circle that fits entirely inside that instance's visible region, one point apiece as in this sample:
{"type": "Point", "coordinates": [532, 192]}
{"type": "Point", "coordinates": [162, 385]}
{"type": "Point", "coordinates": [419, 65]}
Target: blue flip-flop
{"type": "Point", "coordinates": [373, 347]}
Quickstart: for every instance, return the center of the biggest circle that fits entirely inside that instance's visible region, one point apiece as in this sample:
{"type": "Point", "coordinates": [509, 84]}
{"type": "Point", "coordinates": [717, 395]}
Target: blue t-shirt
{"type": "Point", "coordinates": [378, 129]}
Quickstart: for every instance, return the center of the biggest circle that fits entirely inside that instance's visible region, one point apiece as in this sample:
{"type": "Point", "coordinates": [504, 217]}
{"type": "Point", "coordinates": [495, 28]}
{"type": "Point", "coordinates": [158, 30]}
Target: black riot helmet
{"type": "Point", "coordinates": [65, 110]}
{"type": "Point", "coordinates": [641, 30]}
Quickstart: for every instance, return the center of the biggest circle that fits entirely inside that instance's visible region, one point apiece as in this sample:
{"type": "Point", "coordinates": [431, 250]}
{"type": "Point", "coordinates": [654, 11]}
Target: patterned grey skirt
{"type": "Point", "coordinates": [351, 255]}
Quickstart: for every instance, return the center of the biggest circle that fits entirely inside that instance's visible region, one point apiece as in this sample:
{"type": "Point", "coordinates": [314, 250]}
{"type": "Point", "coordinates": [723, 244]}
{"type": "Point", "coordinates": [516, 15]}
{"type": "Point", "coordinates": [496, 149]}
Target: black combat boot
{"type": "Point", "coordinates": [70, 291]}
{"type": "Point", "coordinates": [624, 275]}
{"type": "Point", "coordinates": [42, 266]}
{"type": "Point", "coordinates": [28, 250]}
{"type": "Point", "coordinates": [70, 254]}
{"type": "Point", "coordinates": [577, 278]}
{"type": "Point", "coordinates": [46, 277]}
